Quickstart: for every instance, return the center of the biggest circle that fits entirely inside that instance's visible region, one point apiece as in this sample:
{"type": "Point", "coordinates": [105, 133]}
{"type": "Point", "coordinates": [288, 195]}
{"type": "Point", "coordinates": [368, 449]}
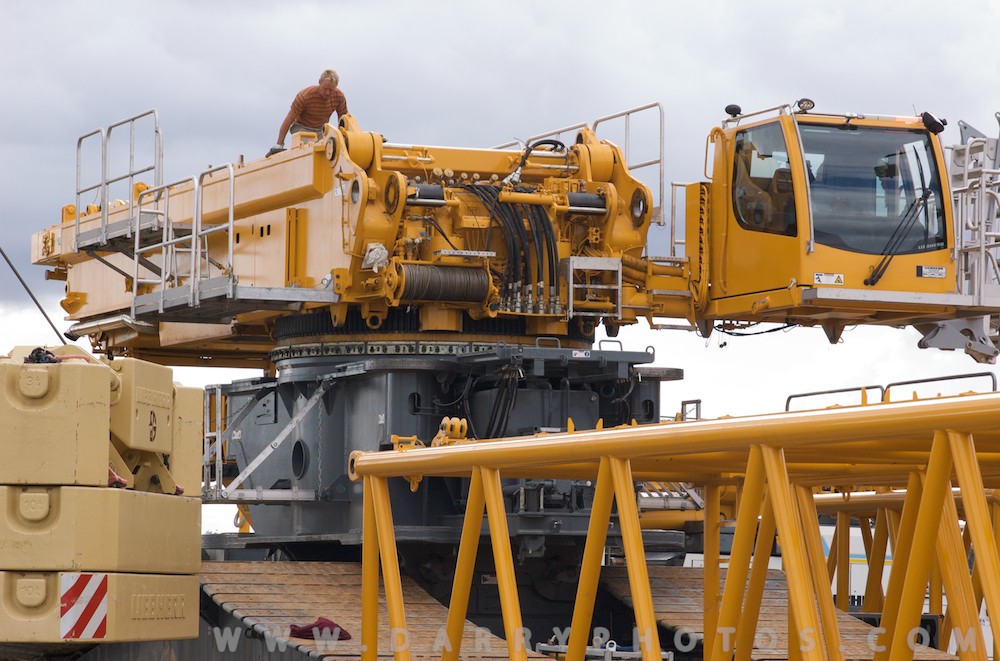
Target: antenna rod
{"type": "Point", "coordinates": [37, 304]}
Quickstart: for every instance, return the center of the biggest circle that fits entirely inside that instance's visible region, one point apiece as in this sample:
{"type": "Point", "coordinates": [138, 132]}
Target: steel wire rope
{"type": "Point", "coordinates": [32, 295]}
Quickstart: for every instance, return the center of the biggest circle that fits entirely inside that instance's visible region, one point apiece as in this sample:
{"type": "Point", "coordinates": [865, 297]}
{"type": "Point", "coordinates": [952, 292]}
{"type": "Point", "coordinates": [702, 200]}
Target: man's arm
{"type": "Point", "coordinates": [285, 125]}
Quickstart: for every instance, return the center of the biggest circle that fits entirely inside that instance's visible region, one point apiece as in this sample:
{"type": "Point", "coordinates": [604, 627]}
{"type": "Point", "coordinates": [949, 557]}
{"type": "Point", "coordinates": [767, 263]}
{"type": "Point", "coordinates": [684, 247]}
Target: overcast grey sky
{"type": "Point", "coordinates": [222, 74]}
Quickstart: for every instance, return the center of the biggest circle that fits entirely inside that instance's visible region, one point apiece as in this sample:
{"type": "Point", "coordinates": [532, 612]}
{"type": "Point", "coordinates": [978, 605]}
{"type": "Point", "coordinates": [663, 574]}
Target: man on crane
{"type": "Point", "coordinates": [312, 108]}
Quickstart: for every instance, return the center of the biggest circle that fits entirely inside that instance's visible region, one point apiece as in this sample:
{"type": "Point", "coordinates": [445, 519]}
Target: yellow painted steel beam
{"type": "Point", "coordinates": [935, 488]}
{"type": "Point", "coordinates": [712, 574]}
{"type": "Point", "coordinates": [831, 559]}
{"type": "Point", "coordinates": [821, 581]}
{"type": "Point", "coordinates": [465, 565]}
{"type": "Point", "coordinates": [936, 589]}
{"type": "Point", "coordinates": [865, 526]}
{"type": "Point", "coordinates": [801, 594]}
{"type": "Point", "coordinates": [901, 548]}
{"type": "Point", "coordinates": [747, 515]}
{"type": "Point", "coordinates": [979, 522]}
{"type": "Point", "coordinates": [947, 626]}
{"type": "Point", "coordinates": [868, 501]}
{"type": "Point", "coordinates": [863, 468]}
{"type": "Point", "coordinates": [503, 561]}
{"type": "Point", "coordinates": [669, 519]}
{"type": "Point", "coordinates": [635, 559]}
{"type": "Point", "coordinates": [704, 469]}
{"type": "Point", "coordinates": [874, 593]}
{"type": "Point", "coordinates": [757, 581]}
{"type": "Point", "coordinates": [843, 560]}
{"type": "Point", "coordinates": [369, 577]}
{"type": "Point", "coordinates": [885, 422]}
{"type": "Point", "coordinates": [962, 617]}
{"type": "Point", "coordinates": [995, 508]}
{"type": "Point", "coordinates": [399, 634]}
{"type": "Point", "coordinates": [590, 567]}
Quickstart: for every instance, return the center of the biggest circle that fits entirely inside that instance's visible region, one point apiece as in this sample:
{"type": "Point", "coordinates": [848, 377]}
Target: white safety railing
{"type": "Point", "coordinates": [626, 116]}
{"type": "Point", "coordinates": [975, 180]}
{"type": "Point", "coordinates": [100, 187]}
{"type": "Point", "coordinates": [181, 257]}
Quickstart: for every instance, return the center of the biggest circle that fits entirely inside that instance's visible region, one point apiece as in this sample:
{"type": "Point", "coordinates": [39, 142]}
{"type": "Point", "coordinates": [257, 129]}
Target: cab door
{"type": "Point", "coordinates": [757, 245]}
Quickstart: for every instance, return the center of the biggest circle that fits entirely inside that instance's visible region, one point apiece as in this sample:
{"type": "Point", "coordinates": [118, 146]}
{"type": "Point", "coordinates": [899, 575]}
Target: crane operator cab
{"type": "Point", "coordinates": [833, 220]}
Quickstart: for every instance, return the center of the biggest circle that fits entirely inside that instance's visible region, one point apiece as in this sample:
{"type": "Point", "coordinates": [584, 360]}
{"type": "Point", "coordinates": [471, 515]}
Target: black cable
{"type": "Point", "coordinates": [27, 289]}
{"type": "Point", "coordinates": [530, 147]}
{"type": "Point", "coordinates": [468, 410]}
{"type": "Point", "coordinates": [519, 236]}
{"type": "Point", "coordinates": [540, 235]}
{"type": "Point", "coordinates": [440, 231]}
{"type": "Point", "coordinates": [763, 332]}
{"type": "Point", "coordinates": [490, 202]}
{"type": "Point", "coordinates": [536, 239]}
{"type": "Point", "coordinates": [553, 246]}
{"type": "Point", "coordinates": [515, 222]}
{"type": "Point", "coordinates": [504, 402]}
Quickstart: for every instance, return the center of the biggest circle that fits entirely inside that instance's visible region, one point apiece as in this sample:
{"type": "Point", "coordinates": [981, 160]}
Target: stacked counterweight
{"type": "Point", "coordinates": [98, 542]}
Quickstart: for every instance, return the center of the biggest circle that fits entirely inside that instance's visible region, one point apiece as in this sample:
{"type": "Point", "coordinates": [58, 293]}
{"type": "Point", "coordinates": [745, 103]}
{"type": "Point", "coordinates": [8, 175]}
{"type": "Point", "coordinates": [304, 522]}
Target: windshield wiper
{"type": "Point", "coordinates": [903, 228]}
{"type": "Point", "coordinates": [895, 241]}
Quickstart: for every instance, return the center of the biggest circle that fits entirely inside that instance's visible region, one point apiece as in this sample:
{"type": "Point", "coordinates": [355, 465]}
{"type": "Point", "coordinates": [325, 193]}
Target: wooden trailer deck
{"type": "Point", "coordinates": [679, 605]}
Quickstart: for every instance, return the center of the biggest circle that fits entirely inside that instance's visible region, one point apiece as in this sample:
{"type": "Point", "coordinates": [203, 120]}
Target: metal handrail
{"type": "Point", "coordinates": [627, 115]}
{"type": "Point", "coordinates": [100, 186]}
{"type": "Point", "coordinates": [862, 389]}
{"type": "Point", "coordinates": [934, 379]}
{"type": "Point", "coordinates": [974, 232]}
{"type": "Point", "coordinates": [196, 242]}
{"type": "Point", "coordinates": [674, 241]}
{"type": "Point", "coordinates": [156, 167]}
{"type": "Point", "coordinates": [547, 134]}
{"type": "Point", "coordinates": [200, 233]}
{"type": "Point", "coordinates": [167, 243]}
{"type": "Point", "coordinates": [885, 391]}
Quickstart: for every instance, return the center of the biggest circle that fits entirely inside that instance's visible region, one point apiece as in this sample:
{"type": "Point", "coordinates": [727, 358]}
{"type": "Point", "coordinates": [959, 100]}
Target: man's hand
{"type": "Point", "coordinates": [277, 149]}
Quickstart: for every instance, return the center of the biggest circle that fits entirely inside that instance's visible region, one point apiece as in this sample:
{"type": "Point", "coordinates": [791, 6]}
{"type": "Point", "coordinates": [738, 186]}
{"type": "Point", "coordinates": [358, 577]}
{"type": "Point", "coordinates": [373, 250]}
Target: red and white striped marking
{"type": "Point", "coordinates": [83, 606]}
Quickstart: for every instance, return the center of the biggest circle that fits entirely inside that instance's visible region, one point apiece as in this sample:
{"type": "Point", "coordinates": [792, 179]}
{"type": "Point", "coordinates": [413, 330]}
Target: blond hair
{"type": "Point", "coordinates": [330, 75]}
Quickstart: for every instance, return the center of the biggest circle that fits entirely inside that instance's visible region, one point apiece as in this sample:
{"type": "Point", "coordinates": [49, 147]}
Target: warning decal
{"type": "Point", "coordinates": [83, 606]}
{"type": "Point", "coordinates": [828, 278]}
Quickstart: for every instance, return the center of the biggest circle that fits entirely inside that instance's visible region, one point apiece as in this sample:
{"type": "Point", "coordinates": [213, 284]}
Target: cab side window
{"type": "Point", "coordinates": [763, 198]}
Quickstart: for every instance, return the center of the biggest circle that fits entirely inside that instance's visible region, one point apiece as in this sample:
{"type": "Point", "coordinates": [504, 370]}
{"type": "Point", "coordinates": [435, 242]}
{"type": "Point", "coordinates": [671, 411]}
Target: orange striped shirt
{"type": "Point", "coordinates": [313, 108]}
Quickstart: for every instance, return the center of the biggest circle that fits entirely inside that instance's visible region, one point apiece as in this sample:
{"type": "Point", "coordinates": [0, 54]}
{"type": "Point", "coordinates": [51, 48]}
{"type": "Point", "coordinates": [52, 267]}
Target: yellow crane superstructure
{"type": "Point", "coordinates": [807, 219]}
{"type": "Point", "coordinates": [400, 297]}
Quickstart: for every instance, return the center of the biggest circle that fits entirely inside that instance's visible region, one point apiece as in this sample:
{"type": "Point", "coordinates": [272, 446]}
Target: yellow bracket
{"type": "Point", "coordinates": [402, 444]}
{"type": "Point", "coordinates": [451, 431]}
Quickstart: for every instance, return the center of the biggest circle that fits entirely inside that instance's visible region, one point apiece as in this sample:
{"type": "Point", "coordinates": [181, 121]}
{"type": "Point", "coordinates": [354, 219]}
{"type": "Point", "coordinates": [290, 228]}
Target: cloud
{"type": "Point", "coordinates": [222, 75]}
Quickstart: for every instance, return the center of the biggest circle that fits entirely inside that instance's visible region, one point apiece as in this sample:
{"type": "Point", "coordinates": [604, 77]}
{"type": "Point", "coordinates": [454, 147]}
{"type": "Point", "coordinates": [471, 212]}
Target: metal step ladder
{"type": "Point", "coordinates": [176, 267]}
{"type": "Point", "coordinates": [595, 285]}
{"type": "Point", "coordinates": [975, 183]}
{"type": "Point", "coordinates": [974, 174]}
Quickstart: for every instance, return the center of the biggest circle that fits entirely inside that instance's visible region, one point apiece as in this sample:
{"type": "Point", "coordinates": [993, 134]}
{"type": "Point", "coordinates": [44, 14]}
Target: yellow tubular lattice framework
{"type": "Point", "coordinates": [905, 453]}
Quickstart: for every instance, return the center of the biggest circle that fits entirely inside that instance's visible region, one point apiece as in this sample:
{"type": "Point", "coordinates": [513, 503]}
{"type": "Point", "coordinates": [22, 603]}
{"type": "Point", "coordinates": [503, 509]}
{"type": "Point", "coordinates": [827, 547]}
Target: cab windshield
{"type": "Point", "coordinates": [873, 190]}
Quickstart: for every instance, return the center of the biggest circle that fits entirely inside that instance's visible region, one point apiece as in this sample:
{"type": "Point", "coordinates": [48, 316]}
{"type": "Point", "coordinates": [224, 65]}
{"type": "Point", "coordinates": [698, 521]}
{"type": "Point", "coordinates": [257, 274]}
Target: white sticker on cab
{"type": "Point", "coordinates": [828, 278]}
